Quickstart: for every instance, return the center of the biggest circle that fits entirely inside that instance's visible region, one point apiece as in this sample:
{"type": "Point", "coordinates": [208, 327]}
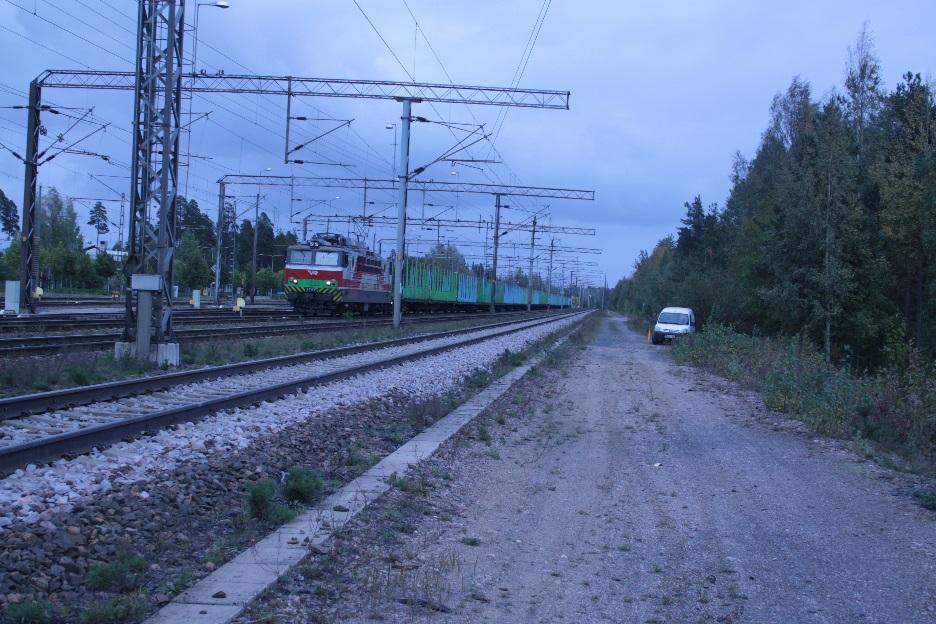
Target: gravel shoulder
{"type": "Point", "coordinates": [620, 487]}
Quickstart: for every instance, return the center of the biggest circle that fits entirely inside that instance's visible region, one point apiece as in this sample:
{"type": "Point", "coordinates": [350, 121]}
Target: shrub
{"type": "Point", "coordinates": [262, 504]}
{"type": "Point", "coordinates": [260, 495]}
{"type": "Point", "coordinates": [302, 485]}
{"type": "Point", "coordinates": [478, 378]}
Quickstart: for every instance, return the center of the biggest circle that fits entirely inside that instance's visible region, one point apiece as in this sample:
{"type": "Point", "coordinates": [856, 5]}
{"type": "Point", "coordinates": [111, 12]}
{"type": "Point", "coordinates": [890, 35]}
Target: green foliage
{"type": "Point", "coordinates": [266, 280]}
{"type": "Point", "coordinates": [927, 499]}
{"type": "Point", "coordinates": [302, 485]}
{"type": "Point", "coordinates": [478, 378]}
{"type": "Point", "coordinates": [510, 359]}
{"type": "Point", "coordinates": [829, 232]}
{"type": "Point", "coordinates": [260, 496]}
{"type": "Point", "coordinates": [895, 408]}
{"type": "Point", "coordinates": [471, 541]}
{"type": "Point", "coordinates": [28, 612]}
{"type": "Point", "coordinates": [262, 503]}
{"type": "Point", "coordinates": [97, 218]}
{"type": "Point", "coordinates": [115, 611]}
{"type": "Point", "coordinates": [9, 216]}
{"type": "Point", "coordinates": [122, 574]}
{"type": "Point", "coordinates": [484, 435]}
{"type": "Point", "coordinates": [191, 269]}
{"type": "Point", "coordinates": [448, 256]}
{"type": "Point", "coordinates": [105, 265]}
{"type": "Point", "coordinates": [404, 484]}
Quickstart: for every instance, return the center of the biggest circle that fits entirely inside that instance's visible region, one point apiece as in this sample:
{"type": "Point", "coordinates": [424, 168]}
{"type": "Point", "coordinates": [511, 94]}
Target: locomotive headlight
{"type": "Point", "coordinates": [293, 280]}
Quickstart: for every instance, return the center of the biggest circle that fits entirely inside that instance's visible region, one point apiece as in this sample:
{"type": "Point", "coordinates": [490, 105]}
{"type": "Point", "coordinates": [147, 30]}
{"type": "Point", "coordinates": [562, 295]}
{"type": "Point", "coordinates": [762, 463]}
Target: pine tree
{"type": "Point", "coordinates": [98, 220]}
{"type": "Point", "coordinates": [9, 217]}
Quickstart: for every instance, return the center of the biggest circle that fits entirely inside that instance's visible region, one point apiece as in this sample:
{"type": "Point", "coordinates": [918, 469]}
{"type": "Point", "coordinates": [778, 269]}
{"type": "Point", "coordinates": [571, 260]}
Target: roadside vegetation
{"type": "Point", "coordinates": [892, 410]}
{"type": "Point", "coordinates": [814, 282]}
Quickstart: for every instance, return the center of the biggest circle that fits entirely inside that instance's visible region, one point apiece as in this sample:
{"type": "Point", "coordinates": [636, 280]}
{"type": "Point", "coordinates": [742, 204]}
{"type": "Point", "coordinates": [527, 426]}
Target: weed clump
{"type": "Point", "coordinates": [484, 435]}
{"type": "Point", "coordinates": [478, 378]}
{"type": "Point", "coordinates": [262, 503]}
{"type": "Point", "coordinates": [122, 574]}
{"type": "Point", "coordinates": [28, 612]}
{"type": "Point", "coordinates": [115, 611]}
{"type": "Point", "coordinates": [410, 486]}
{"type": "Point", "coordinates": [302, 485]}
{"type": "Point", "coordinates": [471, 541]}
{"type": "Point", "coordinates": [510, 359]}
{"type": "Point", "coordinates": [927, 500]}
{"type": "Point", "coordinates": [269, 501]}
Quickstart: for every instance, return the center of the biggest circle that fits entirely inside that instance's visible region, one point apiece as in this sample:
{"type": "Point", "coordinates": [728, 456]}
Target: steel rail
{"type": "Point", "coordinates": [39, 345]}
{"type": "Point", "coordinates": [82, 440]}
{"type": "Point", "coordinates": [11, 407]}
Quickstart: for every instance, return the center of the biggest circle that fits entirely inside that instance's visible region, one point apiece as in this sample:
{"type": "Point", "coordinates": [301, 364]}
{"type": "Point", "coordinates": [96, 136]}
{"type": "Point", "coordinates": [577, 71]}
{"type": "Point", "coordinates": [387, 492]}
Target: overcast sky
{"type": "Point", "coordinates": [662, 96]}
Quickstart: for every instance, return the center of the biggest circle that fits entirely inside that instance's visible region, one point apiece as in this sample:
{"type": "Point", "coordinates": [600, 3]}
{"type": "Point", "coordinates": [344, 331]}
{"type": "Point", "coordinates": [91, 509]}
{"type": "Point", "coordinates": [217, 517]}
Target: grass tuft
{"type": "Point", "coordinates": [116, 611]}
{"type": "Point", "coordinates": [122, 574]}
{"type": "Point", "coordinates": [302, 485]}
{"type": "Point", "coordinates": [927, 499]}
{"type": "Point", "coordinates": [28, 612]}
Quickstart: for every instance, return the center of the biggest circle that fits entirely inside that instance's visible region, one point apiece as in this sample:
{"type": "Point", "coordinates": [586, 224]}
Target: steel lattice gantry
{"type": "Point", "coordinates": [157, 111]}
{"type": "Point", "coordinates": [497, 190]}
{"type": "Point", "coordinates": [319, 87]}
{"type": "Point", "coordinates": [161, 24]}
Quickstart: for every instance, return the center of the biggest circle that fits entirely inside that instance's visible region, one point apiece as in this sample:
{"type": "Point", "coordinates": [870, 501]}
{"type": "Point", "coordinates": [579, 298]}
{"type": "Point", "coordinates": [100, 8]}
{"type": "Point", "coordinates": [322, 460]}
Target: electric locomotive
{"type": "Point", "coordinates": [330, 274]}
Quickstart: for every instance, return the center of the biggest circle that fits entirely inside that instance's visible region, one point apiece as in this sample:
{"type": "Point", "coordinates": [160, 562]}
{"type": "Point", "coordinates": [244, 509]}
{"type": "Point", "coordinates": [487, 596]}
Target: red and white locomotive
{"type": "Point", "coordinates": [329, 274]}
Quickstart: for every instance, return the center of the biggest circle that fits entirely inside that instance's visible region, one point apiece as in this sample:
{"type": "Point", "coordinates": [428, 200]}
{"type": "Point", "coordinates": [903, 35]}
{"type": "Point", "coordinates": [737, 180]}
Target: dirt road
{"type": "Point", "coordinates": [627, 489]}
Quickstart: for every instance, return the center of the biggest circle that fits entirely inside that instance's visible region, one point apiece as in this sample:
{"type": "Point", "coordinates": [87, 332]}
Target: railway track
{"type": "Point", "coordinates": [19, 346]}
{"type": "Point", "coordinates": [69, 323]}
{"type": "Point", "coordinates": [34, 430]}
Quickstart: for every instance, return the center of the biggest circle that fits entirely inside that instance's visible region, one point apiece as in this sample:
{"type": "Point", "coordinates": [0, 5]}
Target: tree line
{"type": "Point", "coordinates": [65, 263]}
{"type": "Point", "coordinates": [828, 231]}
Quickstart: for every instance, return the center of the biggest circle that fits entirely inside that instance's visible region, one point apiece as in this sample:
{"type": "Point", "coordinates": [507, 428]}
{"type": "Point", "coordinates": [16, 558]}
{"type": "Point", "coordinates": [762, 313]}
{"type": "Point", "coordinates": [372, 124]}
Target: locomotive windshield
{"type": "Point", "coordinates": [310, 257]}
{"type": "Point", "coordinates": [300, 256]}
{"type": "Point", "coordinates": [327, 258]}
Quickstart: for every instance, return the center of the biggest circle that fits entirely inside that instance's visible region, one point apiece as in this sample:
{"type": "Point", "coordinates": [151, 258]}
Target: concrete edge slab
{"type": "Point", "coordinates": [225, 593]}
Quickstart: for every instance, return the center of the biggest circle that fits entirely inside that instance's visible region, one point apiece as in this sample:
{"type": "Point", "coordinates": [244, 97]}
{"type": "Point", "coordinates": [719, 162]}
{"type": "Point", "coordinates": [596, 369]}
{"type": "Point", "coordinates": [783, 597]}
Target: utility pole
{"type": "Point", "coordinates": [603, 291]}
{"type": "Point", "coordinates": [30, 250]}
{"type": "Point", "coordinates": [552, 246]}
{"type": "Point", "coordinates": [403, 175]}
{"type": "Point", "coordinates": [253, 262]}
{"type": "Point", "coordinates": [497, 211]}
{"type": "Point", "coordinates": [221, 193]}
{"type": "Point", "coordinates": [530, 273]}
{"type": "Point", "coordinates": [120, 225]}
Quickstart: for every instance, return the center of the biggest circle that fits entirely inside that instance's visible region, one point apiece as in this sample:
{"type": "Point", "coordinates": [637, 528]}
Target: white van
{"type": "Point", "coordinates": [672, 322]}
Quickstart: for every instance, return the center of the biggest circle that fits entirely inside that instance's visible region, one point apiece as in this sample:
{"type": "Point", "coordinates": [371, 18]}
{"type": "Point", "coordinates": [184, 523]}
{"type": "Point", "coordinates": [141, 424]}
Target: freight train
{"type": "Point", "coordinates": [330, 274]}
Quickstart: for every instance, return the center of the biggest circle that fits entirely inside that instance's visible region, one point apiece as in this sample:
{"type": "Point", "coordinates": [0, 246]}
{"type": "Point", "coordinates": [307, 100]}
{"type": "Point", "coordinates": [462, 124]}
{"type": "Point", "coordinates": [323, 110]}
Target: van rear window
{"type": "Point", "coordinates": [674, 318]}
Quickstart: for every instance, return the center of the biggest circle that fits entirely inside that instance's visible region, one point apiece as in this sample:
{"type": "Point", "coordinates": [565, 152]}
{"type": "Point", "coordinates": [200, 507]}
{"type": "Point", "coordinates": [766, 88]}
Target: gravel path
{"type": "Point", "coordinates": [628, 489]}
